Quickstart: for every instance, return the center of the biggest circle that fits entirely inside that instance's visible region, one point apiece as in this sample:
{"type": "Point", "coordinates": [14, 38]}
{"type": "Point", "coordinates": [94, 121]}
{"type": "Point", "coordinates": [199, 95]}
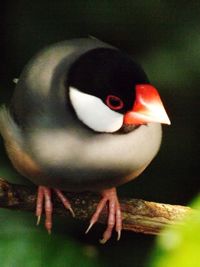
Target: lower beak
{"type": "Point", "coordinates": [147, 107]}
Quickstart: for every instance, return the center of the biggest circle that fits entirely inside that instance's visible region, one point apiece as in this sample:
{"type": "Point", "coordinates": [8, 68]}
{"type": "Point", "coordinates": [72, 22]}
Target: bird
{"type": "Point", "coordinates": [83, 117]}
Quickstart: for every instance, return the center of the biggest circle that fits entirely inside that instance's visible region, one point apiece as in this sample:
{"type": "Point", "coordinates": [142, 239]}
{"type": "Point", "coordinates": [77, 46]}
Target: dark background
{"type": "Point", "coordinates": [164, 36]}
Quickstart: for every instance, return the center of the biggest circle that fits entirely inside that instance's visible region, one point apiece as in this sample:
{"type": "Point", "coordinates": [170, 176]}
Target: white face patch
{"type": "Point", "coordinates": [94, 113]}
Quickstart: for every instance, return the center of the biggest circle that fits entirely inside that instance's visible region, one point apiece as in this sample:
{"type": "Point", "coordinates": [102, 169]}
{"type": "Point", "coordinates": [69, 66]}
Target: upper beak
{"type": "Point", "coordinates": [147, 107]}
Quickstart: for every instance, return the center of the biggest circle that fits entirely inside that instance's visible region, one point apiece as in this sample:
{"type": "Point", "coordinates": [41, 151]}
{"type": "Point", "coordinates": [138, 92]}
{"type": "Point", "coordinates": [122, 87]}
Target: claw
{"type": "Point", "coordinates": [89, 227]}
{"type": "Point", "coordinates": [49, 231]}
{"type": "Point", "coordinates": [118, 235]}
{"type": "Point", "coordinates": [38, 220]}
{"type": "Point", "coordinates": [114, 215]}
{"type": "Point", "coordinates": [102, 241]}
{"type": "Point", "coordinates": [71, 211]}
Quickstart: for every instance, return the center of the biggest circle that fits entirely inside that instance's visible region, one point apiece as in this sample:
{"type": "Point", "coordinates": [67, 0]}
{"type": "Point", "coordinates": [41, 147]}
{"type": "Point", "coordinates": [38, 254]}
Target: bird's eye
{"type": "Point", "coordinates": [114, 102]}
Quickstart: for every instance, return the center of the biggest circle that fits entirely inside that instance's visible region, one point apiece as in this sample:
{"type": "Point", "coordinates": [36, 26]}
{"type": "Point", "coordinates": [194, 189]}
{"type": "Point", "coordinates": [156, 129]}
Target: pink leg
{"type": "Point", "coordinates": [114, 216]}
{"type": "Point", "coordinates": [44, 199]}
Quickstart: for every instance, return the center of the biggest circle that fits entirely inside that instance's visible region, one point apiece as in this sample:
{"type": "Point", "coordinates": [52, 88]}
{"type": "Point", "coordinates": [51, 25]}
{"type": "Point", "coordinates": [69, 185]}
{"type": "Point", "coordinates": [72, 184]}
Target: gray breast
{"type": "Point", "coordinates": [77, 159]}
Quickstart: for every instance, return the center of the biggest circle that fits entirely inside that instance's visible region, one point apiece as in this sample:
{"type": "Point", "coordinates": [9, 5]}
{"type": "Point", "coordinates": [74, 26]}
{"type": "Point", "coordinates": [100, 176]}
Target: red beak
{"type": "Point", "coordinates": [147, 107]}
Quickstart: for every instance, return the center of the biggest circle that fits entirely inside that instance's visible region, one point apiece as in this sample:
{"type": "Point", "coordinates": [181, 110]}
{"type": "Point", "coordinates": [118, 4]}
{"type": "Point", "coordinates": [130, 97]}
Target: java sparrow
{"type": "Point", "coordinates": [83, 116]}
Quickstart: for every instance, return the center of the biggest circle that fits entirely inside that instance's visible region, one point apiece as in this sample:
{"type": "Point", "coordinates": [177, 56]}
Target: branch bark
{"type": "Point", "coordinates": [138, 215]}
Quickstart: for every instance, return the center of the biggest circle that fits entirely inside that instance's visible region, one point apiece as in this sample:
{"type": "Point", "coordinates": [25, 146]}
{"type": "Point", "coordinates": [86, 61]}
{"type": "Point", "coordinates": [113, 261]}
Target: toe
{"type": "Point", "coordinates": [114, 217]}
{"type": "Point", "coordinates": [111, 223]}
{"type": "Point", "coordinates": [39, 203]}
{"type": "Point", "coordinates": [97, 213]}
{"type": "Point", "coordinates": [65, 201]}
{"type": "Point", "coordinates": [48, 209]}
{"type": "Point", "coordinates": [118, 226]}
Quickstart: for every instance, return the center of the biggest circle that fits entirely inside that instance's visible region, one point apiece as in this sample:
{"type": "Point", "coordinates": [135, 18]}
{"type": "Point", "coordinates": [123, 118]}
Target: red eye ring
{"type": "Point", "coordinates": [114, 102]}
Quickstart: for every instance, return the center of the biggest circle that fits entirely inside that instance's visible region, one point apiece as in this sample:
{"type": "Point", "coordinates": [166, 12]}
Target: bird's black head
{"type": "Point", "coordinates": [109, 75]}
{"type": "Point", "coordinates": [103, 89]}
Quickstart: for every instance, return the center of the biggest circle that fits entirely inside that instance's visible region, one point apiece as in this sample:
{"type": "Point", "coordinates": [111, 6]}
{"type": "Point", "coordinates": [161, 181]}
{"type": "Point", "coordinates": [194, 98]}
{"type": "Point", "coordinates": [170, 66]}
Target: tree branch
{"type": "Point", "coordinates": [138, 215]}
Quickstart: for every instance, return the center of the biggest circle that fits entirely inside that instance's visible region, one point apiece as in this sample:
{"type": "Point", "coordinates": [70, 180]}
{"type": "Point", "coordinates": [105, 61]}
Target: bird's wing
{"type": "Point", "coordinates": [8, 128]}
{"type": "Point", "coordinates": [15, 146]}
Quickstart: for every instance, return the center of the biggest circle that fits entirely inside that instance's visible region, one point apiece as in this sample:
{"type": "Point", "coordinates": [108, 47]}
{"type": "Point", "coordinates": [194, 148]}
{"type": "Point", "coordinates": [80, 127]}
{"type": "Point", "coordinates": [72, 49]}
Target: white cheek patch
{"type": "Point", "coordinates": [94, 113]}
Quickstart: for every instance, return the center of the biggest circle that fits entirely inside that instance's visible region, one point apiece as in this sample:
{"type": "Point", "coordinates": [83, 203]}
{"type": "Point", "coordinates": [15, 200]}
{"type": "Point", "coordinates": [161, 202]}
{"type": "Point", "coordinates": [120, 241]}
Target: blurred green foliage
{"type": "Point", "coordinates": [163, 36]}
{"type": "Point", "coordinates": [23, 245]}
{"type": "Point", "coordinates": [179, 244]}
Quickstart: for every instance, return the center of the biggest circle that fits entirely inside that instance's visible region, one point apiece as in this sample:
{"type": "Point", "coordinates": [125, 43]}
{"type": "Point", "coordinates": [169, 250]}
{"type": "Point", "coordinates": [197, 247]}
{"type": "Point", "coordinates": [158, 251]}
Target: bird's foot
{"type": "Point", "coordinates": [44, 199]}
{"type": "Point", "coordinates": [114, 214]}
